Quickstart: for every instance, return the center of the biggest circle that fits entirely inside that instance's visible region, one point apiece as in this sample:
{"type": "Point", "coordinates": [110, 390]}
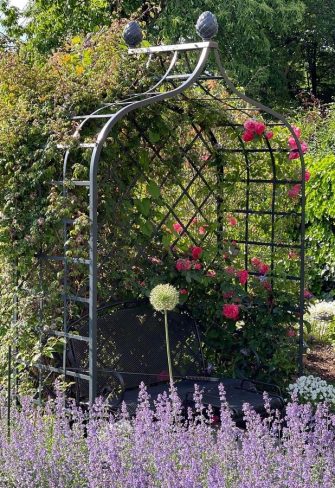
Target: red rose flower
{"type": "Point", "coordinates": [197, 266]}
{"type": "Point", "coordinates": [263, 268]}
{"type": "Point", "coordinates": [243, 276]}
{"type": "Point", "coordinates": [269, 135]}
{"type": "Point", "coordinates": [294, 191]}
{"type": "Point", "coordinates": [230, 311]}
{"type": "Point", "coordinates": [249, 125]}
{"type": "Point", "coordinates": [247, 136]}
{"type": "Point", "coordinates": [183, 291]}
{"type": "Point", "coordinates": [255, 262]}
{"type": "Point", "coordinates": [259, 128]}
{"type": "Point", "coordinates": [196, 252]}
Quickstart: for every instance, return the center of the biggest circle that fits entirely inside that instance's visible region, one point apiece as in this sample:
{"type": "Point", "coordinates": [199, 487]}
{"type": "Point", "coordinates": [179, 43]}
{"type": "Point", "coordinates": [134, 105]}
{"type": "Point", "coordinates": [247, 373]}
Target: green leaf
{"type": "Point", "coordinates": [154, 136]}
{"type": "Point", "coordinates": [308, 326]}
{"type": "Point", "coordinates": [146, 228]}
{"type": "Point", "coordinates": [144, 206]}
{"type": "Point", "coordinates": [166, 240]}
{"type": "Point", "coordinates": [153, 190]}
{"type": "Point", "coordinates": [144, 159]}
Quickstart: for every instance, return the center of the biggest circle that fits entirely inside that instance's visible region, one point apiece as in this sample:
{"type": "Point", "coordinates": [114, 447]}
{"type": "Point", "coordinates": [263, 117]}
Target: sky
{"type": "Point", "coordinates": [19, 3]}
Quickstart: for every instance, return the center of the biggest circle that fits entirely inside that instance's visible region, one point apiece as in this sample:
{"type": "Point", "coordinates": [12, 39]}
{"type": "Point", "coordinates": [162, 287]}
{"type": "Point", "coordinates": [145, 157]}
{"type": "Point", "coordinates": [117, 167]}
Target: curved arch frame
{"type": "Point", "coordinates": [131, 104]}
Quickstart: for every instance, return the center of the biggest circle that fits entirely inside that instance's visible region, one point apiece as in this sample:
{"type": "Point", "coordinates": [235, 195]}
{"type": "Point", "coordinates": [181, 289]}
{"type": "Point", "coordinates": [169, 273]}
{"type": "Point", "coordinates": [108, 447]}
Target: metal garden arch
{"type": "Point", "coordinates": [187, 67]}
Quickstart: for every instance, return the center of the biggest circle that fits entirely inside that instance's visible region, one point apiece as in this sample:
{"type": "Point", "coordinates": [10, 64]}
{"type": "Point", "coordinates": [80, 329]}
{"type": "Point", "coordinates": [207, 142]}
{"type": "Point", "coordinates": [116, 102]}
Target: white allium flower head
{"type": "Point", "coordinates": [164, 297]}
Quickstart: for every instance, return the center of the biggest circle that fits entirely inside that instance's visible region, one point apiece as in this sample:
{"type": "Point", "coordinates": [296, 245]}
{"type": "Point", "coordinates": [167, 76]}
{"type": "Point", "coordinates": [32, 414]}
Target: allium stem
{"type": "Point", "coordinates": [168, 346]}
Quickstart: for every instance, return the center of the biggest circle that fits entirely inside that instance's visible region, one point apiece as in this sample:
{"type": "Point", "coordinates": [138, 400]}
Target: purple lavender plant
{"type": "Point", "coordinates": [57, 447]}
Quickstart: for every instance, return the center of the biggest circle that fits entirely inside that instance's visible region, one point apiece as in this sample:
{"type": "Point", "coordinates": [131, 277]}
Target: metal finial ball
{"type": "Point", "coordinates": [207, 26]}
{"type": "Point", "coordinates": [132, 34]}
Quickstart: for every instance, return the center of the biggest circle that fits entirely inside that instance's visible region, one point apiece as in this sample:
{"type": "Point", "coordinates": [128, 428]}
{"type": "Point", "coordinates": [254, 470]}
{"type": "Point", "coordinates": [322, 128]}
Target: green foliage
{"type": "Point", "coordinates": [319, 127]}
{"type": "Point", "coordinates": [317, 45]}
{"type": "Point", "coordinates": [273, 48]}
{"type": "Point", "coordinates": [36, 101]}
{"type": "Point", "coordinates": [135, 190]}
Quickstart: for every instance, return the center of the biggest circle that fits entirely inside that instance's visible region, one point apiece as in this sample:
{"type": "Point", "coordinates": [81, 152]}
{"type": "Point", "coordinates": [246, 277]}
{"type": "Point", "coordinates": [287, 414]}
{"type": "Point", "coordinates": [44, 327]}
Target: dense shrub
{"type": "Point", "coordinates": [54, 448]}
{"type": "Point", "coordinates": [319, 125]}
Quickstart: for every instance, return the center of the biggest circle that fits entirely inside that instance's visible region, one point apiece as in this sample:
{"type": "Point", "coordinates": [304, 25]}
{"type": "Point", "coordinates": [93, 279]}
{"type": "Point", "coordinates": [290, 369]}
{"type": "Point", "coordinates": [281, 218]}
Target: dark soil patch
{"type": "Point", "coordinates": [321, 361]}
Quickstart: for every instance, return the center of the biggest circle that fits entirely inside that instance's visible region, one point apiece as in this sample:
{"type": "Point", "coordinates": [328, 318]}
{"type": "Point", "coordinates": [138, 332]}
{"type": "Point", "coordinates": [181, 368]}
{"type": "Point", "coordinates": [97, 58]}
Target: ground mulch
{"type": "Point", "coordinates": [320, 361]}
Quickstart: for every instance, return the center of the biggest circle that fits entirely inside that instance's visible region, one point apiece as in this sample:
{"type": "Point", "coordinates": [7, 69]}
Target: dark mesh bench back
{"type": "Point", "coordinates": [131, 341]}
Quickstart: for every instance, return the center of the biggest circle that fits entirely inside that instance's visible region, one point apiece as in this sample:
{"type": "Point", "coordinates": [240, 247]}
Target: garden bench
{"type": "Point", "coordinates": [131, 350]}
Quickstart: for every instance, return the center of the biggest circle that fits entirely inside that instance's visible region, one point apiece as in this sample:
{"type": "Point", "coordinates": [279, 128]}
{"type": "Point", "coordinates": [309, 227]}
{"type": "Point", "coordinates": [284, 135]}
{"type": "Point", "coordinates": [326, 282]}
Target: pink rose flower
{"type": "Point", "coordinates": [247, 136]}
{"type": "Point", "coordinates": [232, 220]}
{"type": "Point", "coordinates": [293, 155]}
{"type": "Point", "coordinates": [197, 266]}
{"type": "Point", "coordinates": [297, 131]}
{"type": "Point", "coordinates": [259, 128]}
{"type": "Point", "coordinates": [196, 252]}
{"type": "Point", "coordinates": [249, 125]}
{"type": "Point", "coordinates": [178, 228]}
{"type": "Point", "coordinates": [294, 151]}
{"type": "Point", "coordinates": [230, 311]}
{"type": "Point", "coordinates": [194, 220]}
{"type": "Point", "coordinates": [304, 147]}
{"type": "Point", "coordinates": [307, 175]}
{"type": "Point", "coordinates": [205, 157]}
{"type": "Point", "coordinates": [243, 276]}
{"type": "Point", "coordinates": [183, 265]}
{"type": "Point", "coordinates": [269, 135]}
{"type": "Point", "coordinates": [183, 291]}
{"type": "Point", "coordinates": [292, 143]}
{"type": "Point", "coordinates": [202, 229]}
{"type": "Point", "coordinates": [291, 332]}
{"type": "Point", "coordinates": [294, 191]}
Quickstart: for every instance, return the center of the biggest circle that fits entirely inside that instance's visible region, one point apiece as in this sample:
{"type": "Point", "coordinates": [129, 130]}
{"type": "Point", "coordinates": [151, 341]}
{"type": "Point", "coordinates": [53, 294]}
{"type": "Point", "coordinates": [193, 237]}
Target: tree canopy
{"type": "Point", "coordinates": [274, 48]}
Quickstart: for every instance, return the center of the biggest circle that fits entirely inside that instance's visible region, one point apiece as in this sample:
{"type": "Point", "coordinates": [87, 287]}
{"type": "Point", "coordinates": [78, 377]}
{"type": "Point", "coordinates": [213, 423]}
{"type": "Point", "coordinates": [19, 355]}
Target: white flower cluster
{"type": "Point", "coordinates": [312, 389]}
{"type": "Point", "coordinates": [164, 297]}
{"type": "Point", "coordinates": [322, 311]}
